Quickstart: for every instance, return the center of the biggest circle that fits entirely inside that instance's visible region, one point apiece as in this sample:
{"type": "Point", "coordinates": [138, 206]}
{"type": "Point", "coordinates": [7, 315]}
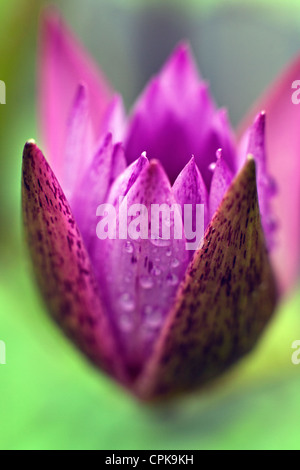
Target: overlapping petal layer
{"type": "Point", "coordinates": [63, 66]}
{"type": "Point", "coordinates": [143, 268]}
{"type": "Point", "coordinates": [176, 118]}
{"type": "Point", "coordinates": [224, 302]}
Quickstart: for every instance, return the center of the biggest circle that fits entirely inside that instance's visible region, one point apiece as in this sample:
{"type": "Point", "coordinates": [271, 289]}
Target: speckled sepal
{"type": "Point", "coordinates": [61, 264]}
{"type": "Point", "coordinates": [226, 299]}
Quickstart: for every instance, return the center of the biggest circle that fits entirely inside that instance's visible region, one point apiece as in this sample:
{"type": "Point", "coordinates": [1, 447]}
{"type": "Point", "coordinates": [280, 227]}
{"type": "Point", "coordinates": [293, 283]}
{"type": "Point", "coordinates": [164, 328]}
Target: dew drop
{"type": "Point", "coordinates": [160, 241]}
{"type": "Point", "coordinates": [153, 315]}
{"type": "Point", "coordinates": [169, 252]}
{"type": "Point", "coordinates": [156, 271]}
{"type": "Point", "coordinates": [212, 166]}
{"type": "Point", "coordinates": [125, 322]}
{"type": "Point", "coordinates": [128, 247]}
{"type": "Point", "coordinates": [172, 279]}
{"type": "Point", "coordinates": [127, 302]}
{"type": "Point", "coordinates": [146, 282]}
{"type": "Point", "coordinates": [175, 263]}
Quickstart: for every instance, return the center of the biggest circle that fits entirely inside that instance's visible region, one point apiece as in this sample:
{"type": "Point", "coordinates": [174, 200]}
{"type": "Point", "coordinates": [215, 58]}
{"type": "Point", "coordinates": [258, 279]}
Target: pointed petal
{"type": "Point", "coordinates": [119, 163]}
{"type": "Point", "coordinates": [224, 302]}
{"type": "Point", "coordinates": [61, 264]}
{"type": "Point", "coordinates": [181, 71]}
{"type": "Point", "coordinates": [114, 120]}
{"type": "Point", "coordinates": [119, 189]}
{"type": "Point", "coordinates": [173, 117]}
{"type": "Point", "coordinates": [219, 135]}
{"type": "Point", "coordinates": [142, 273]}
{"type": "Point", "coordinates": [78, 147]}
{"type": "Point", "coordinates": [283, 149]}
{"type": "Point", "coordinates": [189, 189]}
{"type": "Point", "coordinates": [126, 179]}
{"type": "Point", "coordinates": [222, 177]}
{"type": "Point", "coordinates": [63, 64]}
{"type": "Point", "coordinates": [266, 188]}
{"type": "Point", "coordinates": [93, 188]}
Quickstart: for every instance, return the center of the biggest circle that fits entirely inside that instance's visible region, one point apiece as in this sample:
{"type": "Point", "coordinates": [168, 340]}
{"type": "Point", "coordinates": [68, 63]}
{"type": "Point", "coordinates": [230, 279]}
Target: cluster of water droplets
{"type": "Point", "coordinates": [139, 279]}
{"type": "Point", "coordinates": [148, 289]}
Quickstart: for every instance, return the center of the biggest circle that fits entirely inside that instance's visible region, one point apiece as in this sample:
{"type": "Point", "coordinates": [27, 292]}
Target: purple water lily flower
{"type": "Point", "coordinates": [157, 317]}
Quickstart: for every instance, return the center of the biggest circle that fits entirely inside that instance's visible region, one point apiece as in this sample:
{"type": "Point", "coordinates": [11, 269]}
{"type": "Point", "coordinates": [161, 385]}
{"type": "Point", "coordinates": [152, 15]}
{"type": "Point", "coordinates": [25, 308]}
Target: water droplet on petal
{"type": "Point", "coordinates": [160, 241]}
{"type": "Point", "coordinates": [125, 322]}
{"type": "Point", "coordinates": [175, 263]}
{"type": "Point", "coordinates": [128, 247]}
{"type": "Point", "coordinates": [153, 315]}
{"type": "Point", "coordinates": [146, 282]}
{"type": "Point", "coordinates": [169, 252]}
{"type": "Point", "coordinates": [127, 302]}
{"type": "Point", "coordinates": [156, 271]}
{"type": "Point", "coordinates": [172, 279]}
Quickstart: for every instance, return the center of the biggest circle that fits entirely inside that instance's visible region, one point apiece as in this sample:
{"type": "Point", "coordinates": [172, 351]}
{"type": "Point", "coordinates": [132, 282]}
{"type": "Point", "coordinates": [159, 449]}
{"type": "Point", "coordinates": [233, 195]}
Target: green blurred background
{"type": "Point", "coordinates": [50, 398]}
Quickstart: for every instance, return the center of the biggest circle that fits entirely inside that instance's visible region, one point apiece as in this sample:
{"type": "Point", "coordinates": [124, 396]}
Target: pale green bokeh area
{"type": "Point", "coordinates": [50, 398]}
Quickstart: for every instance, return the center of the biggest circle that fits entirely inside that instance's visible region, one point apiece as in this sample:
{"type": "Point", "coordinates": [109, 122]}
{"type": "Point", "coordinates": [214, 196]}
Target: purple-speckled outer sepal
{"type": "Point", "coordinates": [62, 265]}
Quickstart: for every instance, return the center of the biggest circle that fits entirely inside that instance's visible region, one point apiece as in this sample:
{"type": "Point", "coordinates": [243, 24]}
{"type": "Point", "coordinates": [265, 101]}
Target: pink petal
{"type": "Point", "coordinates": [116, 193]}
{"type": "Point", "coordinates": [78, 146]}
{"type": "Point", "coordinates": [126, 179]}
{"type": "Point", "coordinates": [222, 177]}
{"type": "Point", "coordinates": [265, 184]}
{"type": "Point", "coordinates": [283, 150]}
{"type": "Point", "coordinates": [222, 306]}
{"type": "Point", "coordinates": [61, 264]}
{"type": "Point", "coordinates": [175, 118]}
{"type": "Point", "coordinates": [114, 121]}
{"type": "Point", "coordinates": [63, 65]}
{"type": "Point", "coordinates": [220, 135]}
{"type": "Point", "coordinates": [118, 163]}
{"type": "Point", "coordinates": [189, 189]}
{"type": "Point", "coordinates": [142, 274]}
{"type": "Point", "coordinates": [94, 186]}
